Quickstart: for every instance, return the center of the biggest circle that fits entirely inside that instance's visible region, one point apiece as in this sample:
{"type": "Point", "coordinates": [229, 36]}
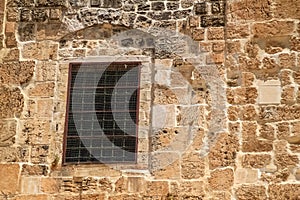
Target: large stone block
{"type": "Point", "coordinates": [16, 72]}
{"type": "Point", "coordinates": [192, 166]}
{"type": "Point", "coordinates": [157, 188]}
{"type": "Point", "coordinates": [221, 179]}
{"type": "Point", "coordinates": [42, 90]}
{"type": "Point", "coordinates": [273, 28]}
{"type": "Point", "coordinates": [286, 9]}
{"type": "Point", "coordinates": [11, 104]}
{"type": "Point", "coordinates": [250, 10]}
{"type": "Point", "coordinates": [256, 161]}
{"type": "Point", "coordinates": [246, 192]}
{"type": "Point", "coordinates": [9, 178]}
{"type": "Point", "coordinates": [7, 133]}
{"type": "Point", "coordinates": [284, 191]}
{"type": "Point", "coordinates": [223, 151]}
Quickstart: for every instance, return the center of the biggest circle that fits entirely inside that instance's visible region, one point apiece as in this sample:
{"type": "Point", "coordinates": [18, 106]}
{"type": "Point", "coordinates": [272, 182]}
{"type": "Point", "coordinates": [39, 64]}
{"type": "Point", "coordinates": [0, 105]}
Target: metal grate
{"type": "Point", "coordinates": [102, 114]}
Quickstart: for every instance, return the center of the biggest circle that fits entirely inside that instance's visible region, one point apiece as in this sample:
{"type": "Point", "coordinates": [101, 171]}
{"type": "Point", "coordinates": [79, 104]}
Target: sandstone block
{"type": "Point", "coordinates": [44, 108]}
{"type": "Point", "coordinates": [273, 28]}
{"type": "Point", "coordinates": [246, 192]}
{"type": "Point", "coordinates": [284, 191]}
{"type": "Point", "coordinates": [221, 179]}
{"type": "Point", "coordinates": [286, 9]}
{"type": "Point", "coordinates": [192, 189]}
{"type": "Point", "coordinates": [7, 133]}
{"type": "Point", "coordinates": [16, 72]}
{"type": "Point", "coordinates": [256, 161]}
{"type": "Point", "coordinates": [157, 188]}
{"type": "Point", "coordinates": [192, 166]}
{"type": "Point", "coordinates": [223, 152]}
{"type": "Point", "coordinates": [9, 178]}
{"type": "Point", "coordinates": [215, 33]}
{"type": "Point", "coordinates": [266, 131]}
{"type": "Point", "coordinates": [164, 95]}
{"type": "Point", "coordinates": [250, 10]}
{"type": "Point", "coordinates": [34, 170]}
{"type": "Point", "coordinates": [41, 51]}
{"type": "Point", "coordinates": [235, 31]}
{"type": "Point", "coordinates": [269, 92]}
{"type": "Point", "coordinates": [42, 90]}
{"type": "Point", "coordinates": [11, 102]}
{"type": "Point", "coordinates": [31, 185]}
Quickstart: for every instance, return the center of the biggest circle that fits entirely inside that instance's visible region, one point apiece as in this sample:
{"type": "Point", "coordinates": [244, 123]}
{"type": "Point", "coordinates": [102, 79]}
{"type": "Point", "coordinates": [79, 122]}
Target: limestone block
{"type": "Point", "coordinates": [223, 152]}
{"type": "Point", "coordinates": [11, 104]}
{"type": "Point", "coordinates": [7, 132]}
{"type": "Point", "coordinates": [246, 192]}
{"type": "Point", "coordinates": [250, 10]}
{"type": "Point", "coordinates": [221, 179]}
{"type": "Point", "coordinates": [192, 166]}
{"type": "Point", "coordinates": [44, 108]}
{"type": "Point", "coordinates": [266, 131]}
{"type": "Point", "coordinates": [215, 33]}
{"type": "Point", "coordinates": [45, 71]}
{"type": "Point", "coordinates": [191, 189]}
{"type": "Point", "coordinates": [42, 90]}
{"type": "Point", "coordinates": [169, 171]}
{"type": "Point", "coordinates": [16, 72]}
{"type": "Point", "coordinates": [215, 58]}
{"type": "Point", "coordinates": [243, 175]}
{"type": "Point", "coordinates": [233, 113]}
{"type": "Point", "coordinates": [9, 178]}
{"type": "Point", "coordinates": [269, 92]}
{"type": "Point", "coordinates": [190, 115]}
{"type": "Point", "coordinates": [34, 170]}
{"type": "Point", "coordinates": [285, 160]}
{"type": "Point", "coordinates": [287, 61]}
{"type": "Point", "coordinates": [162, 77]}
{"type": "Point", "coordinates": [164, 95]}
{"type": "Point", "coordinates": [41, 51]}
{"type": "Point", "coordinates": [288, 95]}
{"type": "Point", "coordinates": [248, 113]}
{"type": "Point", "coordinates": [283, 191]}
{"type": "Point", "coordinates": [286, 77]}
{"type": "Point", "coordinates": [235, 31]}
{"type": "Point", "coordinates": [31, 185]}
{"type": "Point", "coordinates": [273, 28]}
{"type": "Point", "coordinates": [157, 188]}
{"type": "Point", "coordinates": [163, 116]}
{"type": "Point", "coordinates": [14, 154]}
{"type": "Point", "coordinates": [286, 9]}
{"type": "Point", "coordinates": [256, 161]}
{"type": "Point", "coordinates": [39, 154]}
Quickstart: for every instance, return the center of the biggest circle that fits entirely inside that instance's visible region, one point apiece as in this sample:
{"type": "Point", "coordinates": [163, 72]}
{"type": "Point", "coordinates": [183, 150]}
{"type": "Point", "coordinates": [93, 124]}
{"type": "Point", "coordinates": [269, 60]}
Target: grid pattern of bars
{"type": "Point", "coordinates": [102, 112]}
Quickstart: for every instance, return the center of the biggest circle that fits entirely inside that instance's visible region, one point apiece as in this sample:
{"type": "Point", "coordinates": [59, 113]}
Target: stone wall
{"type": "Point", "coordinates": [219, 104]}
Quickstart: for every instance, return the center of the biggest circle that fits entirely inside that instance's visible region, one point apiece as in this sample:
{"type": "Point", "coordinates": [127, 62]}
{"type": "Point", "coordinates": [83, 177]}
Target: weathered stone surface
{"type": "Point", "coordinates": [251, 192]}
{"type": "Point", "coordinates": [9, 178]}
{"type": "Point", "coordinates": [192, 166]}
{"type": "Point", "coordinates": [284, 191]}
{"type": "Point", "coordinates": [223, 152]}
{"type": "Point", "coordinates": [42, 51]}
{"type": "Point", "coordinates": [250, 10]}
{"type": "Point", "coordinates": [163, 95]}
{"type": "Point", "coordinates": [16, 72]}
{"type": "Point", "coordinates": [273, 28]}
{"type": "Point", "coordinates": [221, 179]}
{"type": "Point", "coordinates": [32, 197]}
{"type": "Point", "coordinates": [34, 170]}
{"type": "Point", "coordinates": [11, 104]}
{"type": "Point", "coordinates": [256, 161]}
{"type": "Point", "coordinates": [7, 133]}
{"type": "Point", "coordinates": [157, 188]}
{"type": "Point", "coordinates": [235, 31]}
{"type": "Point", "coordinates": [13, 154]}
{"type": "Point", "coordinates": [286, 9]}
{"type": "Point", "coordinates": [242, 95]}
{"type": "Point", "coordinates": [42, 90]}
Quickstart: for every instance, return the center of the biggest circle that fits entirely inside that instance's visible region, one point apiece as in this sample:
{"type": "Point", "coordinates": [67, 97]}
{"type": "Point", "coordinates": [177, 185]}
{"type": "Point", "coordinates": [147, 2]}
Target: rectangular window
{"type": "Point", "coordinates": [102, 113]}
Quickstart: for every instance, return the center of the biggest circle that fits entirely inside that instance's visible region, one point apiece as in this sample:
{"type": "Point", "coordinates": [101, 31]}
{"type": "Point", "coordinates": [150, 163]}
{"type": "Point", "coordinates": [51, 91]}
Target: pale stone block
{"type": "Point", "coordinates": [163, 116]}
{"type": "Point", "coordinates": [269, 92]}
{"type": "Point", "coordinates": [162, 77]}
{"type": "Point", "coordinates": [163, 63]}
{"type": "Point", "coordinates": [245, 176]}
{"type": "Point", "coordinates": [9, 175]}
{"type": "Point", "coordinates": [31, 185]}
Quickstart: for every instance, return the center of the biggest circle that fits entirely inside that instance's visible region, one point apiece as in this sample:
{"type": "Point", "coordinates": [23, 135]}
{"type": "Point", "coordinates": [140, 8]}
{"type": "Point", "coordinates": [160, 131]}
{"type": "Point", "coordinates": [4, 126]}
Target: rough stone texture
{"type": "Point", "coordinates": [251, 192]}
{"type": "Point", "coordinates": [11, 102]}
{"type": "Point", "coordinates": [245, 44]}
{"type": "Point", "coordinates": [16, 72]}
{"type": "Point", "coordinates": [221, 179]}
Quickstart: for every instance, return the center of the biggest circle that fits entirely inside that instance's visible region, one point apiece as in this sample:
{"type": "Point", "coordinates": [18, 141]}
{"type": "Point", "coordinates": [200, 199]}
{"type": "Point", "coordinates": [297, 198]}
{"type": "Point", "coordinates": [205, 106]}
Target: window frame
{"type": "Point", "coordinates": [69, 88]}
